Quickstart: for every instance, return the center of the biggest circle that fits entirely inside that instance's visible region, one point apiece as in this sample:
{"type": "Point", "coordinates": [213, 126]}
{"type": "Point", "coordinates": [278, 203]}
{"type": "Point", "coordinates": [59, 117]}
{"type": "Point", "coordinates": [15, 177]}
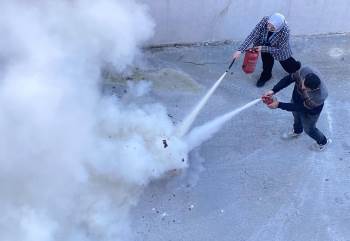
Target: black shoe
{"type": "Point", "coordinates": [263, 79]}
{"type": "Point", "coordinates": [260, 83]}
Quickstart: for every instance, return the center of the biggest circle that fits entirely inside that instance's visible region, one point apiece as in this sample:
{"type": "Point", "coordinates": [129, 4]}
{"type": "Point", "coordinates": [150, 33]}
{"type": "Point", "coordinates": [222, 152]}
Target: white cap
{"type": "Point", "coordinates": [277, 20]}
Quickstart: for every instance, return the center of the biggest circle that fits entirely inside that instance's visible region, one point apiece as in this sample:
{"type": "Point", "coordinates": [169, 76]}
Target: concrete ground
{"type": "Point", "coordinates": [246, 183]}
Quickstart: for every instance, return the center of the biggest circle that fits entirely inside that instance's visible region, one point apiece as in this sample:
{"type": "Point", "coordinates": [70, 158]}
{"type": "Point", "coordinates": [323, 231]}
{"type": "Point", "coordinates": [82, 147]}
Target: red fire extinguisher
{"type": "Point", "coordinates": [250, 59]}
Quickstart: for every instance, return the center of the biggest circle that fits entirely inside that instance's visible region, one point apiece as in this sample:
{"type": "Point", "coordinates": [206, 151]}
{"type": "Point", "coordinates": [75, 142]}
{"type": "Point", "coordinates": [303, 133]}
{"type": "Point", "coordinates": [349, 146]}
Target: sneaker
{"type": "Point", "coordinates": [318, 147]}
{"type": "Point", "coordinates": [290, 135]}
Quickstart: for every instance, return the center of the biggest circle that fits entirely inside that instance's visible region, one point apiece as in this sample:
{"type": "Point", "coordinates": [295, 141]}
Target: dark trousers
{"type": "Point", "coordinates": [289, 65]}
{"type": "Point", "coordinates": [307, 122]}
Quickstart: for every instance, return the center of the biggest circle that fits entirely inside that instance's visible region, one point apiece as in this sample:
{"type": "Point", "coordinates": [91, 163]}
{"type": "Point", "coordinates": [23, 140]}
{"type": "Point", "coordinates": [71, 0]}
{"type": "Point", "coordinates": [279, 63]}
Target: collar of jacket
{"type": "Point", "coordinates": [275, 36]}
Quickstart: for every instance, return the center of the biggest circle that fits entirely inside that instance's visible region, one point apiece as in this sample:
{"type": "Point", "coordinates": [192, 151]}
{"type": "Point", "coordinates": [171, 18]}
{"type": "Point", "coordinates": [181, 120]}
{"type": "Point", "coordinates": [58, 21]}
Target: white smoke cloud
{"type": "Point", "coordinates": [139, 89]}
{"type": "Point", "coordinates": [71, 161]}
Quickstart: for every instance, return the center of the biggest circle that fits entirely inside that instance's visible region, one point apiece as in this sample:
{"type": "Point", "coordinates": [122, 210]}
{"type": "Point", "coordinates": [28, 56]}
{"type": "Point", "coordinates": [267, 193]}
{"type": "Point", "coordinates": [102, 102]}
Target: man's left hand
{"type": "Point", "coordinates": [274, 104]}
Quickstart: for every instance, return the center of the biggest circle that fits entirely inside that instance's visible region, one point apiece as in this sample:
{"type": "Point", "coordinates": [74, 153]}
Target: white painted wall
{"type": "Point", "coordinates": [181, 21]}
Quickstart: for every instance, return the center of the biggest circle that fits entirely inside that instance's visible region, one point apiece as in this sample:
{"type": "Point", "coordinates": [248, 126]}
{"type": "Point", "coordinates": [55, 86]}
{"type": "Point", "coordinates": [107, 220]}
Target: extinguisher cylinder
{"type": "Point", "coordinates": [250, 60]}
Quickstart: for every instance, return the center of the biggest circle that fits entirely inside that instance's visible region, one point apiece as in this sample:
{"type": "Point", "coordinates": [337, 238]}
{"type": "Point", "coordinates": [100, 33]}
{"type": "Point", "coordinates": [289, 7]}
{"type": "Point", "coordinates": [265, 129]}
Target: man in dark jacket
{"type": "Point", "coordinates": [308, 98]}
{"type": "Point", "coordinates": [271, 37]}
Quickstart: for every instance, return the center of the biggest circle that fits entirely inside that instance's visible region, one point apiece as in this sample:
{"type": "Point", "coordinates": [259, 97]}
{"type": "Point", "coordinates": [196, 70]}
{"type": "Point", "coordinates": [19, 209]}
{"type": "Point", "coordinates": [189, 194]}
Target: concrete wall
{"type": "Point", "coordinates": [181, 21]}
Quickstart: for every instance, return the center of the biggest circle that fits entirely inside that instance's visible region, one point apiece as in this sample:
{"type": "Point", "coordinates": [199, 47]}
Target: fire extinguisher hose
{"type": "Point", "coordinates": [231, 65]}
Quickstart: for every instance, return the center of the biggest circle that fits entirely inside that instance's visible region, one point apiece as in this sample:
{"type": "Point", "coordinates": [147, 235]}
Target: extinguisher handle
{"type": "Point", "coordinates": [231, 64]}
{"type": "Point", "coordinates": [252, 49]}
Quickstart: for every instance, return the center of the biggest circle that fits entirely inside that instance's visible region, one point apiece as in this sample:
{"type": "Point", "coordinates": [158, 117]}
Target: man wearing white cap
{"type": "Point", "coordinates": [271, 37]}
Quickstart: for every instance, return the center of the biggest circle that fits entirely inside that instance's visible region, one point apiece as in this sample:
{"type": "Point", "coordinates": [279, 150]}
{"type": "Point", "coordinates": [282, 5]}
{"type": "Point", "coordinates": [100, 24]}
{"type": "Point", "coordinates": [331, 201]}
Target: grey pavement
{"type": "Point", "coordinates": [246, 183]}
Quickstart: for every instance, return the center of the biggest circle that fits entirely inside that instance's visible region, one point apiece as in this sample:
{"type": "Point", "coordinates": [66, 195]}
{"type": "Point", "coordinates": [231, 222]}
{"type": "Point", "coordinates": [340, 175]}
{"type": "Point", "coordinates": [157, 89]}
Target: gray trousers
{"type": "Point", "coordinates": [307, 122]}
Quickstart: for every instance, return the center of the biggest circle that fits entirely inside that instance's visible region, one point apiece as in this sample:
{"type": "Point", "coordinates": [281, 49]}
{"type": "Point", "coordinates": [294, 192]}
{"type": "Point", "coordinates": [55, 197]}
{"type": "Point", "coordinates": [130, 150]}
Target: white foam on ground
{"type": "Point", "coordinates": [336, 52]}
{"type": "Point", "coordinates": [329, 117]}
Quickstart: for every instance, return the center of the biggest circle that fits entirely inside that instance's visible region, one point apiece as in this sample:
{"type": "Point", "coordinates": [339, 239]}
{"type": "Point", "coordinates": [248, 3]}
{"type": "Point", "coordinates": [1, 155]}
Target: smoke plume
{"type": "Point", "coordinates": [72, 162]}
